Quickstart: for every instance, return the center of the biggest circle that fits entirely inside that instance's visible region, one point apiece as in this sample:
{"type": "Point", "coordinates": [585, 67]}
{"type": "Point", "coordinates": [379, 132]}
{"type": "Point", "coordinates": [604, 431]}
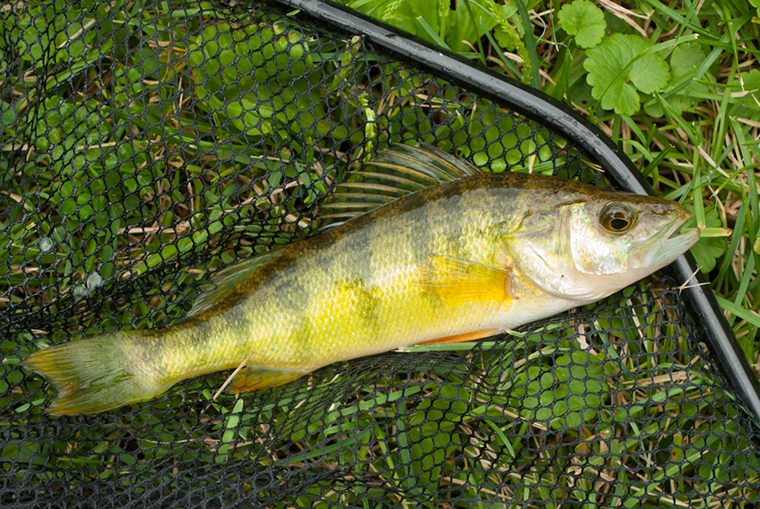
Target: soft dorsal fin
{"type": "Point", "coordinates": [227, 279]}
{"type": "Point", "coordinates": [393, 174]}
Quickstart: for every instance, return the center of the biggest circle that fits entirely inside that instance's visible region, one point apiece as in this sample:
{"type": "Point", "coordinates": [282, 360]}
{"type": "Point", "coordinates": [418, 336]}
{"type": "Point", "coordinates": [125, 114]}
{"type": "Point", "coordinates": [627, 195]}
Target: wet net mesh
{"type": "Point", "coordinates": [146, 145]}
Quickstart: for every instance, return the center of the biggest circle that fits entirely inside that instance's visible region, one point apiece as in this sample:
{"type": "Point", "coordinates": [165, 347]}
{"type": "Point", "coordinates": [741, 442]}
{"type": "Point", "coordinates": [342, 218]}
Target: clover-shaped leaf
{"type": "Point", "coordinates": [618, 67]}
{"type": "Point", "coordinates": [684, 58]}
{"type": "Point", "coordinates": [583, 20]}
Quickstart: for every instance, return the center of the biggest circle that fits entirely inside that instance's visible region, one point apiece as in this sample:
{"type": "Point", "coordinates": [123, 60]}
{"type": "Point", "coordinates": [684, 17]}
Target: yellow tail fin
{"type": "Point", "coordinates": [92, 375]}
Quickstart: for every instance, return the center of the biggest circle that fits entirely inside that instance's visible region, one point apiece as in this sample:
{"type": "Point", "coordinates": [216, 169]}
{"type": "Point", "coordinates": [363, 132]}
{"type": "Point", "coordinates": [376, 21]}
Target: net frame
{"type": "Point", "coordinates": [236, 481]}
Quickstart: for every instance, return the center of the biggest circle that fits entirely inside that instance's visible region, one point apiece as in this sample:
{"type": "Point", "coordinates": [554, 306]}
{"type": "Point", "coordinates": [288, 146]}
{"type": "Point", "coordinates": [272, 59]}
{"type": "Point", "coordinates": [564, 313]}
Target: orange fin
{"type": "Point", "coordinates": [254, 378]}
{"type": "Point", "coordinates": [458, 280]}
{"type": "Point", "coordinates": [461, 338]}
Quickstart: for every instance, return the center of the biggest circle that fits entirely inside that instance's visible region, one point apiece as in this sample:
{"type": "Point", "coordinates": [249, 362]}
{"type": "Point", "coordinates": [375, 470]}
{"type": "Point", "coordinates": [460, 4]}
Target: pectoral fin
{"type": "Point", "coordinates": [458, 281]}
{"type": "Point", "coordinates": [253, 378]}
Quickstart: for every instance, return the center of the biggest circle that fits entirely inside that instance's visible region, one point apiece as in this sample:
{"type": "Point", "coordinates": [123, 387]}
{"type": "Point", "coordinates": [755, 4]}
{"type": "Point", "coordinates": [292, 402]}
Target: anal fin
{"type": "Point", "coordinates": [252, 378]}
{"type": "Point", "coordinates": [461, 338]}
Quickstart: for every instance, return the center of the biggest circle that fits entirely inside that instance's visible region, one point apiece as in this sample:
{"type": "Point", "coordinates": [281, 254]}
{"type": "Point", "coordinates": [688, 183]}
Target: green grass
{"type": "Point", "coordinates": [139, 152]}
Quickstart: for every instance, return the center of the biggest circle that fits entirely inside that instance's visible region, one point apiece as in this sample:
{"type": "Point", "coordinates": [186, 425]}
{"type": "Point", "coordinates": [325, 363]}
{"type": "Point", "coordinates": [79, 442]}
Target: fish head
{"type": "Point", "coordinates": [585, 248]}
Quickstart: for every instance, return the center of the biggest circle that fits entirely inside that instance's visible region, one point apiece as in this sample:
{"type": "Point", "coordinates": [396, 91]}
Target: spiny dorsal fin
{"type": "Point", "coordinates": [393, 174]}
{"type": "Point", "coordinates": [227, 279]}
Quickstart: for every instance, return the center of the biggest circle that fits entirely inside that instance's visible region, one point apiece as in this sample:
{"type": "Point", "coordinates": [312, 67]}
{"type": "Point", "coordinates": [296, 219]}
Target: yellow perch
{"type": "Point", "coordinates": [419, 247]}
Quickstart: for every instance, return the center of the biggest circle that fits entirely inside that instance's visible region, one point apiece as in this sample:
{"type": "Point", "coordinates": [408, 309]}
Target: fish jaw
{"type": "Point", "coordinates": [664, 248]}
{"type": "Point", "coordinates": [658, 252]}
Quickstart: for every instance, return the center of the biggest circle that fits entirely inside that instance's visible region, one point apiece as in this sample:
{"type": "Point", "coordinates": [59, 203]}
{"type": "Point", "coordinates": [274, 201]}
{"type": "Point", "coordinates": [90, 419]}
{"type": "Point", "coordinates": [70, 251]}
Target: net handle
{"type": "Point", "coordinates": [702, 305]}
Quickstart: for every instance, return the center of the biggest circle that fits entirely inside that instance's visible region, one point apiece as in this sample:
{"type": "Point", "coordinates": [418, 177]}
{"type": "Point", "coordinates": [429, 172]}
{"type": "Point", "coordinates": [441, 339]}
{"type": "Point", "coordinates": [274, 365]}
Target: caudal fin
{"type": "Point", "coordinates": [91, 375]}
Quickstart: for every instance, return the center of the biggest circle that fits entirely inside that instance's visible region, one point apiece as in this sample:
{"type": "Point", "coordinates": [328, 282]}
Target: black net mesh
{"type": "Point", "coordinates": [146, 145]}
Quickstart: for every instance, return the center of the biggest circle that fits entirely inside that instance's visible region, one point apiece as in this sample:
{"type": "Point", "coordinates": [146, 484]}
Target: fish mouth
{"type": "Point", "coordinates": [670, 243]}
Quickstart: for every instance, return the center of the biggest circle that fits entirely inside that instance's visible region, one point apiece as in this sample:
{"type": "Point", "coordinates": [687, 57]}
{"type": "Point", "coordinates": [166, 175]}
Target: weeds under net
{"type": "Point", "coordinates": [146, 145]}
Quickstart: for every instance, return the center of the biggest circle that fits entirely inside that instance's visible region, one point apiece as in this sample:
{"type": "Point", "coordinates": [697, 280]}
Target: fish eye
{"type": "Point", "coordinates": [617, 218]}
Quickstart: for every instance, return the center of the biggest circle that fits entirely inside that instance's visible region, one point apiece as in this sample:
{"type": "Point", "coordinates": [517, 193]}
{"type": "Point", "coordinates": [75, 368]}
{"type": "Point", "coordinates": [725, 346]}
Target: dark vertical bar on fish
{"type": "Point", "coordinates": [702, 304]}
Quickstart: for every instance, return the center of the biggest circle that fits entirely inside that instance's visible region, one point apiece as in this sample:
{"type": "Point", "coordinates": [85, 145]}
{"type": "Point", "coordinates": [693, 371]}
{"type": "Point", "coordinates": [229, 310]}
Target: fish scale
{"type": "Point", "coordinates": [458, 255]}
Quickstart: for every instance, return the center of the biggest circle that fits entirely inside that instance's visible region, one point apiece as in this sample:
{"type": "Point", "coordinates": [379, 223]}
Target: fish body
{"type": "Point", "coordinates": [471, 256]}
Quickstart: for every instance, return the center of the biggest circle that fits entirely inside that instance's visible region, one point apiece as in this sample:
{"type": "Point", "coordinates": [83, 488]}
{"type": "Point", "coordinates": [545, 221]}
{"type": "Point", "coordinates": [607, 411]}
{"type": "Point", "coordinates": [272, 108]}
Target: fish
{"type": "Point", "coordinates": [417, 247]}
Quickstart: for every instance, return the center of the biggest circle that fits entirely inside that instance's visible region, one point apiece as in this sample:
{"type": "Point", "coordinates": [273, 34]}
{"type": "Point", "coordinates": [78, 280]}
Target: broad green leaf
{"type": "Point", "coordinates": [684, 59]}
{"type": "Point", "coordinates": [454, 26]}
{"type": "Point", "coordinates": [619, 67]}
{"type": "Point", "coordinates": [504, 38]}
{"type": "Point", "coordinates": [7, 114]}
{"type": "Point", "coordinates": [459, 27]}
{"type": "Point", "coordinates": [751, 84]}
{"type": "Point", "coordinates": [756, 5]}
{"type": "Point", "coordinates": [707, 249]}
{"type": "Point", "coordinates": [585, 21]}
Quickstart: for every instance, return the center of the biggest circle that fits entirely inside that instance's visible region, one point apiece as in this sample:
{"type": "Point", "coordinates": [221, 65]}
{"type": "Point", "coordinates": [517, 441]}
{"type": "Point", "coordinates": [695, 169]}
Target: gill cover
{"type": "Point", "coordinates": [542, 250]}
